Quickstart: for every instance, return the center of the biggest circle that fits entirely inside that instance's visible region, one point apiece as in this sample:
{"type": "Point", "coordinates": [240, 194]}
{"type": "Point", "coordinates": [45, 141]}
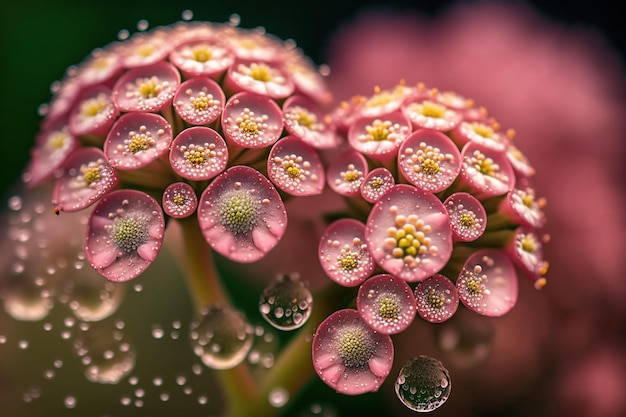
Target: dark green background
{"type": "Point", "coordinates": [41, 38]}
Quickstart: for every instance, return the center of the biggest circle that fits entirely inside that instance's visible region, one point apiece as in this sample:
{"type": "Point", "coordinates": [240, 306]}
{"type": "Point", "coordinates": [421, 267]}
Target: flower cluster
{"type": "Point", "coordinates": [441, 209]}
{"type": "Point", "coordinates": [185, 119]}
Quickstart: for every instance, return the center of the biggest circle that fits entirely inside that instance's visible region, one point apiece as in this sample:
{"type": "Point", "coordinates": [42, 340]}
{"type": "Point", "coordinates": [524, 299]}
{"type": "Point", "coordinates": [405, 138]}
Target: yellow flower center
{"type": "Point", "coordinates": [261, 72]}
{"type": "Point", "coordinates": [202, 54]}
{"type": "Point", "coordinates": [434, 110]}
{"type": "Point", "coordinates": [91, 175]}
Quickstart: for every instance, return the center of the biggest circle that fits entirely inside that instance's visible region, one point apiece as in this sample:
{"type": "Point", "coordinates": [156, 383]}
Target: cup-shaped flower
{"type": "Point", "coordinates": [408, 233]}
{"type": "Point", "coordinates": [480, 133]}
{"type": "Point", "coordinates": [386, 303]}
{"type": "Point", "coordinates": [202, 58]}
{"type": "Point", "coordinates": [198, 153]}
{"type": "Point", "coordinates": [346, 173]}
{"type": "Point", "coordinates": [487, 172]}
{"type": "Point", "coordinates": [199, 101]}
{"type": "Point", "coordinates": [376, 184]}
{"type": "Point", "coordinates": [252, 120]}
{"type": "Point", "coordinates": [145, 48]}
{"type": "Point", "coordinates": [523, 207]}
{"type": "Point", "coordinates": [431, 114]}
{"type": "Point", "coordinates": [526, 250]}
{"type": "Point", "coordinates": [429, 160]}
{"type": "Point", "coordinates": [519, 162]}
{"type": "Point", "coordinates": [487, 283]}
{"type": "Point", "coordinates": [94, 113]}
{"type": "Point", "coordinates": [242, 215]}
{"type": "Point", "coordinates": [379, 137]}
{"type": "Point", "coordinates": [436, 298]}
{"type": "Point", "coordinates": [349, 356]}
{"type": "Point", "coordinates": [86, 177]}
{"type": "Point", "coordinates": [305, 120]}
{"type": "Point", "coordinates": [295, 167]}
{"type": "Point", "coordinates": [343, 253]}
{"type": "Point", "coordinates": [179, 200]}
{"type": "Point", "coordinates": [124, 234]}
{"type": "Point", "coordinates": [149, 88]}
{"type": "Point", "coordinates": [53, 146]}
{"type": "Point", "coordinates": [468, 218]}
{"type": "Point", "coordinates": [259, 77]}
{"type": "Point", "coordinates": [137, 139]}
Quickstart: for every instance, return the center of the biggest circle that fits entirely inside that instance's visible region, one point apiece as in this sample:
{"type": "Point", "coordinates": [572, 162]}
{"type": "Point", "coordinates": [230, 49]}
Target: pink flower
{"type": "Point", "coordinates": [241, 214]}
{"type": "Point", "coordinates": [349, 356]}
{"type": "Point", "coordinates": [408, 233]}
{"type": "Point", "coordinates": [179, 200]}
{"type": "Point", "coordinates": [429, 160]}
{"type": "Point", "coordinates": [295, 167]}
{"type": "Point", "coordinates": [386, 303]}
{"type": "Point", "coordinates": [87, 176]}
{"type": "Point", "coordinates": [124, 234]}
{"type": "Point", "coordinates": [436, 298]}
{"type": "Point", "coordinates": [487, 283]}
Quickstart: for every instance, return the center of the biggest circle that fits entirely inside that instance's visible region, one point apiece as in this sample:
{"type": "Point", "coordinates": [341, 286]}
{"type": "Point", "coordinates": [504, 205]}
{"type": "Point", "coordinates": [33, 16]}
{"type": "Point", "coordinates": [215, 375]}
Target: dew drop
{"type": "Point", "coordinates": [3, 339]}
{"type": "Point", "coordinates": [23, 344]}
{"type": "Point", "coordinates": [70, 402]}
{"type": "Point", "coordinates": [423, 384]}
{"type": "Point", "coordinates": [15, 203]}
{"type": "Point", "coordinates": [157, 332]}
{"type": "Point", "coordinates": [187, 15]}
{"type": "Point", "coordinates": [142, 25]}
{"type": "Point", "coordinates": [286, 303]}
{"type": "Point", "coordinates": [221, 337]}
{"type": "Point", "coordinates": [107, 362]}
{"type": "Point", "coordinates": [278, 397]}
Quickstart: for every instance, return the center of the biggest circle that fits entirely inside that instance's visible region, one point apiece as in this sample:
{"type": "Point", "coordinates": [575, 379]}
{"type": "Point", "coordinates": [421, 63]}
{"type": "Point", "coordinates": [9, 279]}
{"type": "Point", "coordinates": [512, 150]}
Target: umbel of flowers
{"type": "Point", "coordinates": [193, 118]}
{"type": "Point", "coordinates": [440, 209]}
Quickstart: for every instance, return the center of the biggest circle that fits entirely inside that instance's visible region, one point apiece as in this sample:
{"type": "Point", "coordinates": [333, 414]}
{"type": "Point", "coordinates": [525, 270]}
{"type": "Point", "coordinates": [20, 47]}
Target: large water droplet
{"type": "Point", "coordinates": [110, 359]}
{"type": "Point", "coordinates": [423, 384]}
{"type": "Point", "coordinates": [26, 301]}
{"type": "Point", "coordinates": [221, 337]}
{"type": "Point", "coordinates": [91, 297]}
{"type": "Point", "coordinates": [286, 303]}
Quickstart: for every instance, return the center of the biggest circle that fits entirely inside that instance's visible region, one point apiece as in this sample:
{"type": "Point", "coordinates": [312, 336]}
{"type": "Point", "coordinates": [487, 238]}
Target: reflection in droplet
{"type": "Point", "coordinates": [26, 301]}
{"type": "Point", "coordinates": [106, 362]}
{"type": "Point", "coordinates": [423, 384]}
{"type": "Point", "coordinates": [91, 297]}
{"type": "Point", "coordinates": [286, 303]}
{"type": "Point", "coordinates": [466, 339]}
{"type": "Point", "coordinates": [221, 337]}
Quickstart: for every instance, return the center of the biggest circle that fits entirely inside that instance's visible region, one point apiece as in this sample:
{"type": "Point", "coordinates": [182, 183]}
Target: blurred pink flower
{"type": "Point", "coordinates": [562, 89]}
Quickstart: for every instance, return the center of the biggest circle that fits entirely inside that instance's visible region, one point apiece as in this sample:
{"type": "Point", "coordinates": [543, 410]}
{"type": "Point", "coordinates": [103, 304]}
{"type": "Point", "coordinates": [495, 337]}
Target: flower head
{"type": "Point", "coordinates": [124, 234]}
{"type": "Point", "coordinates": [349, 356]}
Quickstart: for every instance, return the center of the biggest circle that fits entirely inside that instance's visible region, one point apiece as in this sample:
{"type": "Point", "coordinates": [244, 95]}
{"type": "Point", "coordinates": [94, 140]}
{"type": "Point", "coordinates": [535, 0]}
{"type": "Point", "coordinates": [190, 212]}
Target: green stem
{"type": "Point", "coordinates": [196, 259]}
{"type": "Point", "coordinates": [294, 366]}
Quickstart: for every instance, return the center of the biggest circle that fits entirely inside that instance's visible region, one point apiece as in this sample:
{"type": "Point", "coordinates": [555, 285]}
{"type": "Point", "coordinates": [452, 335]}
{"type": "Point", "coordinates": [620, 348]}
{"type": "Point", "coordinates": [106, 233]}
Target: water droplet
{"type": "Point", "coordinates": [221, 337]}
{"type": "Point", "coordinates": [3, 339]}
{"type": "Point", "coordinates": [15, 203]}
{"type": "Point", "coordinates": [203, 399]}
{"type": "Point", "coordinates": [286, 303]}
{"type": "Point", "coordinates": [107, 362]}
{"type": "Point", "coordinates": [187, 15]}
{"type": "Point", "coordinates": [278, 397]}
{"type": "Point", "coordinates": [142, 25]}
{"type": "Point", "coordinates": [22, 344]}
{"type": "Point", "coordinates": [70, 402]}
{"type": "Point", "coordinates": [92, 298]}
{"type": "Point", "coordinates": [157, 332]}
{"type": "Point", "coordinates": [423, 384]}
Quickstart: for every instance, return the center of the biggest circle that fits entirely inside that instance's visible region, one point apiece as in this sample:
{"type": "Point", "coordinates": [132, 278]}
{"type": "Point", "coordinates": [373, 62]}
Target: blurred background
{"type": "Point", "coordinates": [552, 70]}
